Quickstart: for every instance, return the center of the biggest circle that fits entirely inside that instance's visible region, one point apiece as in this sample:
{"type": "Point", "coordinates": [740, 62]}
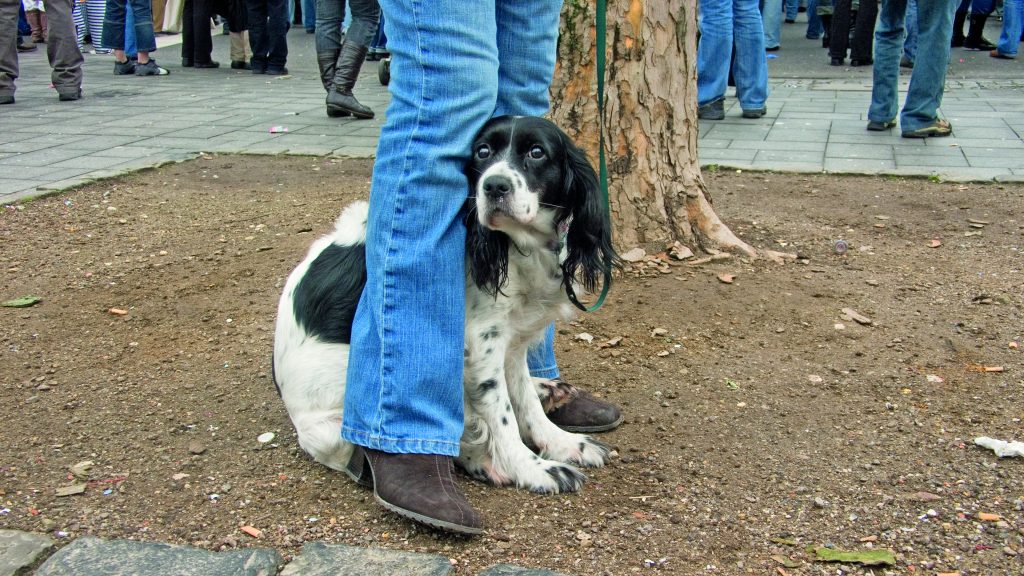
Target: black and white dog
{"type": "Point", "coordinates": [536, 226]}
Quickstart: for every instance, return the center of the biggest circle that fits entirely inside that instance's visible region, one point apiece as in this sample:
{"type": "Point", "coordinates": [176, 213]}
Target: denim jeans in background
{"type": "Point", "coordinates": [771, 18]}
{"type": "Point", "coordinates": [725, 24]}
{"type": "Point", "coordinates": [541, 357]}
{"type": "Point", "coordinates": [1013, 19]}
{"type": "Point", "coordinates": [454, 64]}
{"type": "Point", "coordinates": [792, 9]}
{"type": "Point", "coordinates": [268, 32]}
{"type": "Point", "coordinates": [814, 26]}
{"type": "Point", "coordinates": [114, 25]}
{"type": "Point", "coordinates": [331, 13]}
{"type": "Point", "coordinates": [977, 6]}
{"type": "Point", "coordinates": [131, 49]}
{"type": "Point", "coordinates": [934, 29]}
{"type": "Point", "coordinates": [309, 15]}
{"type": "Point", "coordinates": [910, 44]}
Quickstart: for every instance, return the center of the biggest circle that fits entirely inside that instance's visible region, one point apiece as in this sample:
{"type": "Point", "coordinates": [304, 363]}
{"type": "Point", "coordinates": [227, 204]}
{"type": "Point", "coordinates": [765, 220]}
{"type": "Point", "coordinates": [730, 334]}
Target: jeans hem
{"type": "Point", "coordinates": [400, 445]}
{"type": "Point", "coordinates": [546, 373]}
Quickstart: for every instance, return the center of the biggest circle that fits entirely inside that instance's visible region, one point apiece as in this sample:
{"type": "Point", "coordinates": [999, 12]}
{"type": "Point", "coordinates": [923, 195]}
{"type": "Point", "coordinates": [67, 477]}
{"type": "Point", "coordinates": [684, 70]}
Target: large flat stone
{"type": "Point", "coordinates": [510, 570]}
{"type": "Point", "coordinates": [319, 559]}
{"type": "Point", "coordinates": [89, 556]}
{"type": "Point", "coordinates": [20, 549]}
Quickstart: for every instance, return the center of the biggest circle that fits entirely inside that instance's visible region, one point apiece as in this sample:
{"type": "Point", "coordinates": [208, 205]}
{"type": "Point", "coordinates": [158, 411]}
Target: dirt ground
{"type": "Point", "coordinates": [762, 420]}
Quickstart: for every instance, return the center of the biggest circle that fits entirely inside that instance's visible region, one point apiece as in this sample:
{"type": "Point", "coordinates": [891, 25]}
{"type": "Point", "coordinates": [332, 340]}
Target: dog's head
{"type": "Point", "coordinates": [527, 181]}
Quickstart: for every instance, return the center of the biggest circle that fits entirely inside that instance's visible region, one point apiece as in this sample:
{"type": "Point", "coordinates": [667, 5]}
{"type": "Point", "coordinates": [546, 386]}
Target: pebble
{"type": "Point", "coordinates": [820, 502]}
{"type": "Point", "coordinates": [1009, 551]}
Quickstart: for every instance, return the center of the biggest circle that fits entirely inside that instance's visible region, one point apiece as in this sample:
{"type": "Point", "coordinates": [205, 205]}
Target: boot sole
{"type": "Point", "coordinates": [432, 522]}
{"type": "Point", "coordinates": [593, 429]}
{"type": "Point", "coordinates": [345, 112]}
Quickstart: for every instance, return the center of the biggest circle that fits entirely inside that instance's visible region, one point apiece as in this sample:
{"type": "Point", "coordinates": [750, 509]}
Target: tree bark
{"type": "Point", "coordinates": [655, 187]}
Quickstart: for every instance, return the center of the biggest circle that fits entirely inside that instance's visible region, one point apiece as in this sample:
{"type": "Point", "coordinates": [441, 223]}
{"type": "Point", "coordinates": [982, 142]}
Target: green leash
{"type": "Point", "coordinates": [602, 25]}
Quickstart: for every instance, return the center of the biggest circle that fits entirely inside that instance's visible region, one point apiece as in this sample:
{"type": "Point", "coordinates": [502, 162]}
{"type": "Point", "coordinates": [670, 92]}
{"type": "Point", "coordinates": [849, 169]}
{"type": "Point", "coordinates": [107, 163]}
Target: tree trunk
{"type": "Point", "coordinates": [655, 187]}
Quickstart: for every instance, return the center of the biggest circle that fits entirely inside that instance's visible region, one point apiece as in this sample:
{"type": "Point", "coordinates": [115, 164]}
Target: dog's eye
{"type": "Point", "coordinates": [483, 152]}
{"type": "Point", "coordinates": [537, 153]}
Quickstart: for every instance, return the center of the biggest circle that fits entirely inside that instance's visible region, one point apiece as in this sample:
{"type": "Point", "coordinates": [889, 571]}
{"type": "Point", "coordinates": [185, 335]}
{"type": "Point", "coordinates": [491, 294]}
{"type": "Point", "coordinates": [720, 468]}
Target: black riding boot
{"type": "Point", "coordinates": [958, 29]}
{"type": "Point", "coordinates": [327, 61]}
{"type": "Point", "coordinates": [340, 98]}
{"type": "Point", "coordinates": [974, 40]}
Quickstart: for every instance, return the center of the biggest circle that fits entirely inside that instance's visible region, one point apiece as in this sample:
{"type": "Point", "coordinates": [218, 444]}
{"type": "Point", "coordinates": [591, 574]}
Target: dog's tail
{"type": "Point", "coordinates": [350, 227]}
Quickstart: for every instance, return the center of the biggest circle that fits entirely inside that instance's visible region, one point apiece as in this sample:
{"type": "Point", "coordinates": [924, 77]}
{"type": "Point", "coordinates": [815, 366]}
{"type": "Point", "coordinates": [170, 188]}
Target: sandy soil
{"type": "Point", "coordinates": [762, 419]}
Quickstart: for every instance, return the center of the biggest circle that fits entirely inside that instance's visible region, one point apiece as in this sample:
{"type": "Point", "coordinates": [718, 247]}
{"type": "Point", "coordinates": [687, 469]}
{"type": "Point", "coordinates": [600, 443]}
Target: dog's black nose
{"type": "Point", "coordinates": [497, 186]}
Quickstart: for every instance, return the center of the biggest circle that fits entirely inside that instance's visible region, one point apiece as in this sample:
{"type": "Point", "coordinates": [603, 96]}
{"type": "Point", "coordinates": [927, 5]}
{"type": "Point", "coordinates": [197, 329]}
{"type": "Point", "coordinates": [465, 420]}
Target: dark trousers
{"type": "Point", "coordinates": [196, 43]}
{"type": "Point", "coordinates": [863, 31]}
{"type": "Point", "coordinates": [268, 32]}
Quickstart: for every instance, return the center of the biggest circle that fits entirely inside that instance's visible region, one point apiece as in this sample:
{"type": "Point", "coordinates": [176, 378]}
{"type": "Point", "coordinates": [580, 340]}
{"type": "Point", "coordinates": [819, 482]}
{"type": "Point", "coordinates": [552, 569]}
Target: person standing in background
{"type": "Point", "coordinates": [725, 26]}
{"type": "Point", "coordinates": [61, 50]}
{"type": "Point", "coordinates": [268, 35]}
{"type": "Point", "coordinates": [340, 59]}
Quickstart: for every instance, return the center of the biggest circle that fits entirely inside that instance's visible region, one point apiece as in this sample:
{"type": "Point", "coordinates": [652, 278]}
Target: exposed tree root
{"type": "Point", "coordinates": [703, 217]}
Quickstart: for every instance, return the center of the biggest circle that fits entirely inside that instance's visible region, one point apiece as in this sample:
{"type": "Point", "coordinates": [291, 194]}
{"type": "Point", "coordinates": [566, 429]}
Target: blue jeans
{"type": "Point", "coordinates": [114, 25]}
{"type": "Point", "coordinates": [910, 44]}
{"type": "Point", "coordinates": [331, 13]}
{"type": "Point", "coordinates": [1013, 19]}
{"type": "Point", "coordinates": [977, 6]}
{"type": "Point", "coordinates": [934, 29]}
{"type": "Point", "coordinates": [724, 24]}
{"type": "Point", "coordinates": [771, 17]}
{"type": "Point", "coordinates": [268, 32]}
{"type": "Point", "coordinates": [814, 26]}
{"type": "Point", "coordinates": [309, 14]}
{"type": "Point", "coordinates": [792, 9]}
{"type": "Point", "coordinates": [130, 47]}
{"type": "Point", "coordinates": [454, 64]}
{"type": "Point", "coordinates": [541, 357]}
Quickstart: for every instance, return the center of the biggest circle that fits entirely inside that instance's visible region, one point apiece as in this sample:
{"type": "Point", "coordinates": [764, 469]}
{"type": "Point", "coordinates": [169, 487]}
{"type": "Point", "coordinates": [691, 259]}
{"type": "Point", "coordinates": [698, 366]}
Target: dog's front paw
{"type": "Point", "coordinates": [548, 477]}
{"type": "Point", "coordinates": [579, 450]}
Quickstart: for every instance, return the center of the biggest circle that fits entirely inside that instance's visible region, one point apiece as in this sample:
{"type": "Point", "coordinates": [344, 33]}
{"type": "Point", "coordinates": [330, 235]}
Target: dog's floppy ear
{"type": "Point", "coordinates": [590, 257]}
{"type": "Point", "coordinates": [486, 254]}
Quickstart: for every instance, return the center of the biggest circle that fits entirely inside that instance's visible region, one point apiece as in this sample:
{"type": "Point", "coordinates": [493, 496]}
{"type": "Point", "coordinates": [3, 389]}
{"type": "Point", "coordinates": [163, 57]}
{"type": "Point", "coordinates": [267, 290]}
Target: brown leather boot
{"type": "Point", "coordinates": [586, 414]}
{"type": "Point", "coordinates": [420, 487]}
{"type": "Point", "coordinates": [34, 18]}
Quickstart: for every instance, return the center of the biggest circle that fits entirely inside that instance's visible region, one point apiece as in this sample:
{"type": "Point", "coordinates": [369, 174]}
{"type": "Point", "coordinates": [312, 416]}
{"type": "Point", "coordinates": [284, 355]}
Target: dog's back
{"type": "Point", "coordinates": [311, 339]}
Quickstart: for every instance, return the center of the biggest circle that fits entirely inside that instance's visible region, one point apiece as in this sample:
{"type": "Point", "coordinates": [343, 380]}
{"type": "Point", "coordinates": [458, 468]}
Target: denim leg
{"type": "Point", "coordinates": [541, 356]}
{"type": "Point", "coordinates": [714, 52]}
{"type": "Point", "coordinates": [910, 44]}
{"type": "Point", "coordinates": [771, 17]}
{"type": "Point", "coordinates": [309, 14]}
{"type": "Point", "coordinates": [145, 39]}
{"type": "Point", "coordinates": [404, 390]}
{"type": "Point", "coordinates": [924, 96]}
{"type": "Point", "coordinates": [329, 16]}
{"type": "Point", "coordinates": [886, 70]}
{"type": "Point", "coordinates": [814, 26]}
{"type": "Point", "coordinates": [277, 33]}
{"type": "Point", "coordinates": [131, 47]}
{"type": "Point", "coordinates": [792, 9]}
{"type": "Point", "coordinates": [113, 25]}
{"type": "Point", "coordinates": [527, 41]}
{"type": "Point", "coordinates": [750, 68]}
{"type": "Point", "coordinates": [365, 15]}
{"type": "Point", "coordinates": [1013, 18]}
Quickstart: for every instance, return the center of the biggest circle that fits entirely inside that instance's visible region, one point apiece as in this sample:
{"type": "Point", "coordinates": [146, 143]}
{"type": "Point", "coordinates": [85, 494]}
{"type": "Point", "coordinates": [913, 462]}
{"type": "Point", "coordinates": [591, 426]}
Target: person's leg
{"type": "Point", "coordinates": [329, 16]}
{"type": "Point", "coordinates": [541, 357]}
{"type": "Point", "coordinates": [257, 13]}
{"type": "Point", "coordinates": [8, 50]}
{"type": "Point", "coordinates": [889, 35]}
{"type": "Point", "coordinates": [188, 33]}
{"type": "Point", "coordinates": [714, 52]}
{"type": "Point", "coordinates": [1013, 19]}
{"type": "Point", "coordinates": [864, 31]}
{"type": "Point", "coordinates": [910, 44]}
{"type": "Point", "coordinates": [771, 17]}
{"type": "Point", "coordinates": [975, 40]}
{"type": "Point", "coordinates": [750, 68]}
{"type": "Point", "coordinates": [934, 23]}
{"type": "Point", "coordinates": [309, 15]}
{"type": "Point", "coordinates": [957, 38]}
{"type": "Point", "coordinates": [340, 99]}
{"type": "Point", "coordinates": [277, 35]}
{"type": "Point", "coordinates": [203, 46]}
{"type": "Point", "coordinates": [814, 24]}
{"type": "Point", "coordinates": [840, 38]}
{"type": "Point", "coordinates": [131, 47]}
{"type": "Point", "coordinates": [145, 39]}
{"type": "Point", "coordinates": [792, 9]}
{"type": "Point", "coordinates": [62, 50]}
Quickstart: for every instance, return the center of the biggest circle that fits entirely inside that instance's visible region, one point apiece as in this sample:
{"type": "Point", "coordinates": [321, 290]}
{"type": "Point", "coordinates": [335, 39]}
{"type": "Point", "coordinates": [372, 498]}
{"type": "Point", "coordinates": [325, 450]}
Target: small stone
{"type": "Point", "coordinates": [196, 447]}
{"type": "Point", "coordinates": [820, 502]}
{"type": "Point", "coordinates": [1009, 551]}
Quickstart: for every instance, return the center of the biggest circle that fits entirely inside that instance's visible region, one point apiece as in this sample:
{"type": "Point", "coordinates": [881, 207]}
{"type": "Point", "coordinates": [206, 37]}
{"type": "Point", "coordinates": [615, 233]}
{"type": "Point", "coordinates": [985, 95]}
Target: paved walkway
{"type": "Point", "coordinates": [815, 121]}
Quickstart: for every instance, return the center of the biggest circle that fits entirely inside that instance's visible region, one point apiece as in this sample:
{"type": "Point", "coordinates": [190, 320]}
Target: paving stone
{"type": "Point", "coordinates": [89, 556]}
{"type": "Point", "coordinates": [510, 570]}
{"type": "Point", "coordinates": [319, 559]}
{"type": "Point", "coordinates": [20, 549]}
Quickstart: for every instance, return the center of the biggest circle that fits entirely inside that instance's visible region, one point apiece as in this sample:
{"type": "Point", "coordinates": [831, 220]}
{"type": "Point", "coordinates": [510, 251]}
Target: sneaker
{"type": "Point", "coordinates": [1001, 56]}
{"type": "Point", "coordinates": [979, 44]}
{"type": "Point", "coordinates": [714, 110]}
{"type": "Point", "coordinates": [938, 128]}
{"type": "Point", "coordinates": [26, 45]}
{"type": "Point", "coordinates": [756, 112]}
{"type": "Point", "coordinates": [240, 65]}
{"type": "Point", "coordinates": [275, 71]}
{"type": "Point", "coordinates": [772, 49]}
{"type": "Point", "coordinates": [210, 64]}
{"type": "Point", "coordinates": [6, 99]}
{"type": "Point", "coordinates": [881, 125]}
{"type": "Point", "coordinates": [150, 68]}
{"type": "Point", "coordinates": [124, 68]}
{"type": "Point", "coordinates": [861, 61]}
